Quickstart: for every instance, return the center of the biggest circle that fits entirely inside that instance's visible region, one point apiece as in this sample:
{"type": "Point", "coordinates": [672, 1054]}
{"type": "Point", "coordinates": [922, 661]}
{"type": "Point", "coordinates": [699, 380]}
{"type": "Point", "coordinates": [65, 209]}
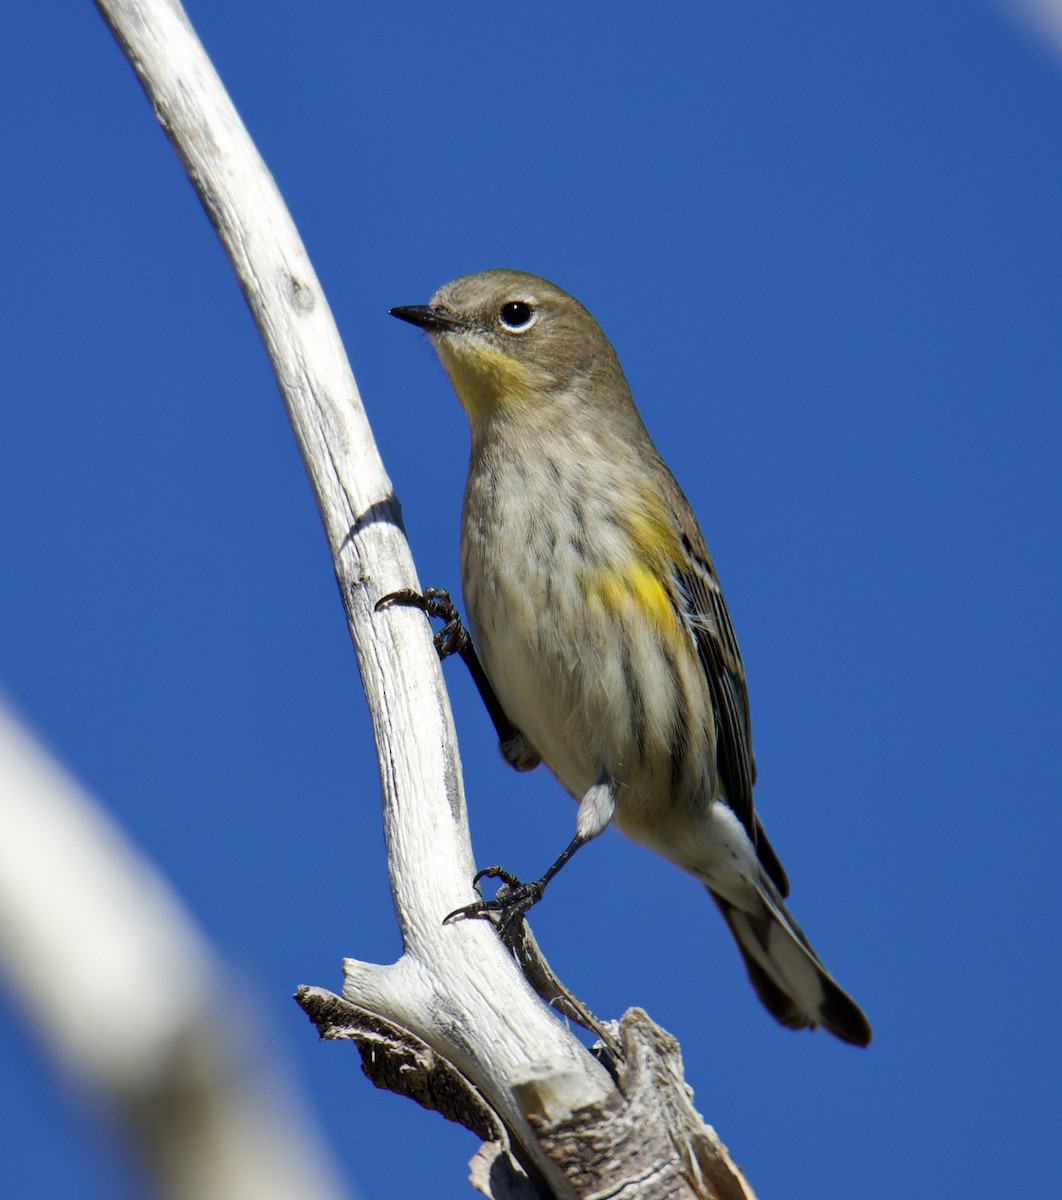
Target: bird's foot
{"type": "Point", "coordinates": [453, 638]}
{"type": "Point", "coordinates": [508, 908]}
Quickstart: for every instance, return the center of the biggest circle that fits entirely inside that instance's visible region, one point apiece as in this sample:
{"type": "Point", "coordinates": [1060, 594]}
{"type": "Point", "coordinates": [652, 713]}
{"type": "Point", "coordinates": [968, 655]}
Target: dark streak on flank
{"type": "Point", "coordinates": [680, 734]}
{"type": "Point", "coordinates": [635, 699]}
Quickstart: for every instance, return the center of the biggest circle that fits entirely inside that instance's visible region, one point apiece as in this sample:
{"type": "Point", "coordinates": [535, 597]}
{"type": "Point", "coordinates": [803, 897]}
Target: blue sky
{"type": "Point", "coordinates": [826, 242]}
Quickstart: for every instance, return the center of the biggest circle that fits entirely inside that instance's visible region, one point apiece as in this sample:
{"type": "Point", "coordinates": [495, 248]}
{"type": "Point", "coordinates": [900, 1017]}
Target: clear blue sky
{"type": "Point", "coordinates": [827, 243]}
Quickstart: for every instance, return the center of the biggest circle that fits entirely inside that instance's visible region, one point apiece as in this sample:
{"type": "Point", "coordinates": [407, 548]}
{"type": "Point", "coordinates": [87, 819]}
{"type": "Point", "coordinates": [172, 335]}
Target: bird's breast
{"type": "Point", "coordinates": [582, 642]}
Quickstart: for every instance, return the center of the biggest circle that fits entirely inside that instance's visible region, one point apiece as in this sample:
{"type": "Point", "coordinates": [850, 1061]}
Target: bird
{"type": "Point", "coordinates": [597, 615]}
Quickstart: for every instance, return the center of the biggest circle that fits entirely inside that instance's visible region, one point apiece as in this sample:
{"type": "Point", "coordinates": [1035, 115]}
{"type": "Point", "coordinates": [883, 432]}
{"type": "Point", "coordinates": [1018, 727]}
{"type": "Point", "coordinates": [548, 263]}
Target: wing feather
{"type": "Point", "coordinates": [709, 621]}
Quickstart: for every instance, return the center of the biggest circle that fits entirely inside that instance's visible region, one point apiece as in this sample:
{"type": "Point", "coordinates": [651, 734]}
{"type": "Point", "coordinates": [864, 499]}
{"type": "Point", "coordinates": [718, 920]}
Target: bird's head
{"type": "Point", "coordinates": [509, 338]}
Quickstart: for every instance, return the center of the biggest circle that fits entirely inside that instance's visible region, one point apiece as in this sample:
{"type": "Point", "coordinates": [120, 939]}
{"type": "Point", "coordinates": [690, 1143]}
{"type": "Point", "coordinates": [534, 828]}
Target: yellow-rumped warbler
{"type": "Point", "coordinates": [599, 619]}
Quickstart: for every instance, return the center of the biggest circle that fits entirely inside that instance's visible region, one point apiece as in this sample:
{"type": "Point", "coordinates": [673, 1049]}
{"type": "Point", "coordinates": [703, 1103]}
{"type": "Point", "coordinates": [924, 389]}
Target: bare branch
{"type": "Point", "coordinates": [456, 993]}
{"type": "Point", "coordinates": [503, 1037]}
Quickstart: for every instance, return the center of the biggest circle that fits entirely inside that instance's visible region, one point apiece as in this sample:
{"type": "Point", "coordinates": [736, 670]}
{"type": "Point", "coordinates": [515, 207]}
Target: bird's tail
{"type": "Point", "coordinates": [787, 974]}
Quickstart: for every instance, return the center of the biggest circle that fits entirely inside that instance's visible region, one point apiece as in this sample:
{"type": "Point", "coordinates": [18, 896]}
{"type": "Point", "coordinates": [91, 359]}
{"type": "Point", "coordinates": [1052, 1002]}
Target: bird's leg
{"type": "Point", "coordinates": [515, 897]}
{"type": "Point", "coordinates": [454, 638]}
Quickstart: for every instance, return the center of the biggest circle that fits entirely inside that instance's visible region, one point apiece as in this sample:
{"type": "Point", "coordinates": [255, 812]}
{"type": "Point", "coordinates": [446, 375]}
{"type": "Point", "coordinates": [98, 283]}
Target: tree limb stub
{"type": "Point", "coordinates": [646, 1141]}
{"type": "Point", "coordinates": [396, 1060]}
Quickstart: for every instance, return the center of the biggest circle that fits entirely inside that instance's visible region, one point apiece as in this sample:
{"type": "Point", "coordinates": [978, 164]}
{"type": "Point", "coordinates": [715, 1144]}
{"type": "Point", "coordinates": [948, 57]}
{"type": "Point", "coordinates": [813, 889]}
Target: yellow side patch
{"type": "Point", "coordinates": [483, 376]}
{"type": "Point", "coordinates": [637, 589]}
{"type": "Point", "coordinates": [652, 597]}
{"type": "Point", "coordinates": [654, 533]}
{"type": "Point", "coordinates": [643, 585]}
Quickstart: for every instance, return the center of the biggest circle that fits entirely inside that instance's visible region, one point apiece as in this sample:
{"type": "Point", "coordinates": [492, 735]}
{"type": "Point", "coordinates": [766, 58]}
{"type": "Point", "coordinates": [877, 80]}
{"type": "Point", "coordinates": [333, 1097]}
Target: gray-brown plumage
{"type": "Point", "coordinates": [600, 621]}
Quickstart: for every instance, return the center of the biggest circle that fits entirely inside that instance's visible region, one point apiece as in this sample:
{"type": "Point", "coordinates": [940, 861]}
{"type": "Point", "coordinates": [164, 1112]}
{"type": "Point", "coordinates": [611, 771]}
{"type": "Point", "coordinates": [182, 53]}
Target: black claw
{"type": "Point", "coordinates": [510, 880]}
{"type": "Point", "coordinates": [508, 908]}
{"type": "Point", "coordinates": [451, 639]}
{"type": "Point", "coordinates": [433, 602]}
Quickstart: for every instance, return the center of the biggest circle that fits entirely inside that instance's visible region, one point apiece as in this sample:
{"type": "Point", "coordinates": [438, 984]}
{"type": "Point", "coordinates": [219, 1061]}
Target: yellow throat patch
{"type": "Point", "coordinates": [483, 376]}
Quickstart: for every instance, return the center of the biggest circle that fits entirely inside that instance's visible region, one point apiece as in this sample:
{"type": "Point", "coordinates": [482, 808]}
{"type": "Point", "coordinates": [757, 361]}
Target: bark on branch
{"type": "Point", "coordinates": [454, 1021]}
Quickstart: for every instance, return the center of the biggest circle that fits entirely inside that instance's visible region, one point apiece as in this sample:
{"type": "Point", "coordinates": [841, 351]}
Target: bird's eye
{"type": "Point", "coordinates": [516, 315]}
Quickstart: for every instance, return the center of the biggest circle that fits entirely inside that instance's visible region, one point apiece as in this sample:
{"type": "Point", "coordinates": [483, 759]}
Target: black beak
{"type": "Point", "coordinates": [432, 317]}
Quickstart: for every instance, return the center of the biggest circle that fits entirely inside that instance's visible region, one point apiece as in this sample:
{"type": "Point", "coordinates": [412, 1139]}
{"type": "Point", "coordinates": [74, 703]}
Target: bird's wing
{"type": "Point", "coordinates": [707, 618]}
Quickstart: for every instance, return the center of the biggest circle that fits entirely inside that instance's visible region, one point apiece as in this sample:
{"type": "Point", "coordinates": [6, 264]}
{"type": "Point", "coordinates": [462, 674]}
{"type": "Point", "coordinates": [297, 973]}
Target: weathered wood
{"type": "Point", "coordinates": [455, 1011]}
